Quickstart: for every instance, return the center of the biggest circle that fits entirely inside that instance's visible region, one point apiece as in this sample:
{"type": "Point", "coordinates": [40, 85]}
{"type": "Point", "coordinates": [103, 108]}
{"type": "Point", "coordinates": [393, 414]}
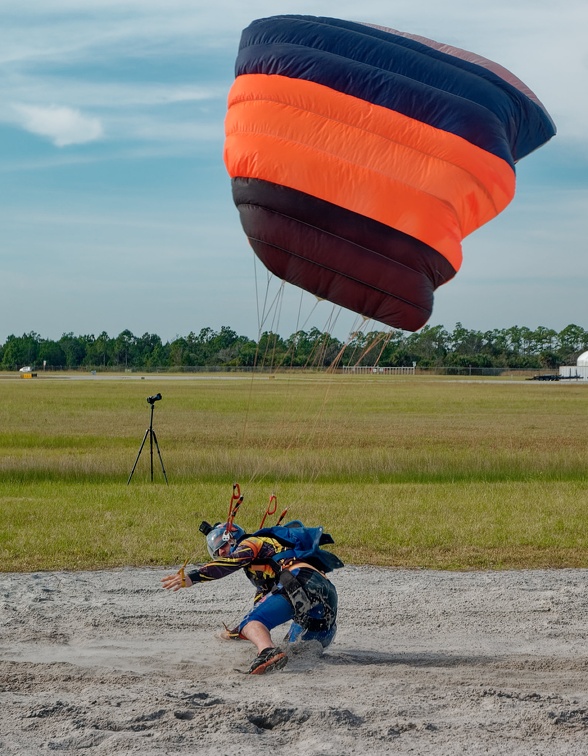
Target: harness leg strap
{"type": "Point", "coordinates": [301, 602]}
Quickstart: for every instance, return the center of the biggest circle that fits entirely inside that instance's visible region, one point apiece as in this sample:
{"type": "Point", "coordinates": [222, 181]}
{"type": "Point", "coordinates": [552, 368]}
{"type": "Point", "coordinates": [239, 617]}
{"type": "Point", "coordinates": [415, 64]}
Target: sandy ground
{"type": "Point", "coordinates": [424, 663]}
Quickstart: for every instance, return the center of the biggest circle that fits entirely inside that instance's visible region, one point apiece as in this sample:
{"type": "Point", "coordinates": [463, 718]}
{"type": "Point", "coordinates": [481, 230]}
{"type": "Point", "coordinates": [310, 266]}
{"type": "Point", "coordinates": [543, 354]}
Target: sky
{"type": "Point", "coordinates": [115, 205]}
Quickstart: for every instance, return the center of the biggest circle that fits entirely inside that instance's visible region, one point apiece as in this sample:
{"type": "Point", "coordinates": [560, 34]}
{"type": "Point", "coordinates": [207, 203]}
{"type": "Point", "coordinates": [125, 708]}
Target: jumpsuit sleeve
{"type": "Point", "coordinates": [239, 558]}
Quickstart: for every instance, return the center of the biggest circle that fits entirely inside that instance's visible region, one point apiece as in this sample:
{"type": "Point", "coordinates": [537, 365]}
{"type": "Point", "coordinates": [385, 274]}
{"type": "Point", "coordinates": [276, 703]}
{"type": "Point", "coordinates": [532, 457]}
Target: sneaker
{"type": "Point", "coordinates": [269, 660]}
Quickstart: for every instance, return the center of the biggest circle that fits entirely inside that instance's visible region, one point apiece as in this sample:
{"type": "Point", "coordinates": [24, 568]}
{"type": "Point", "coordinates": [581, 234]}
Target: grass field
{"type": "Point", "coordinates": [402, 470]}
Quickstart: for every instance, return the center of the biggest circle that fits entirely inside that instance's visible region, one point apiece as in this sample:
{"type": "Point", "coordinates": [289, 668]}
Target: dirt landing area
{"type": "Point", "coordinates": [424, 662]}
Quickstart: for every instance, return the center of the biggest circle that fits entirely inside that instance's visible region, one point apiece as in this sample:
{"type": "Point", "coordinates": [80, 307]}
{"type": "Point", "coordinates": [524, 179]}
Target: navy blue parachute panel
{"type": "Point", "coordinates": [399, 73]}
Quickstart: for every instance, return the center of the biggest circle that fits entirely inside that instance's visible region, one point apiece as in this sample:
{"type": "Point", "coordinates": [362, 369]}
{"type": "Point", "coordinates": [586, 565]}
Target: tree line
{"type": "Point", "coordinates": [431, 347]}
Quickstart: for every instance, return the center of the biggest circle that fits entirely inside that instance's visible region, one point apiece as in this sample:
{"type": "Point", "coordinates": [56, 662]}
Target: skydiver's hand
{"type": "Point", "coordinates": [175, 582]}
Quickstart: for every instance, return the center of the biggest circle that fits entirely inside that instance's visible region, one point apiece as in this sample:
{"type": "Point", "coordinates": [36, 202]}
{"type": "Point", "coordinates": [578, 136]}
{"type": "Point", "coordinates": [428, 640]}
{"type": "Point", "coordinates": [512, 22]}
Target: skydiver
{"type": "Point", "coordinates": [286, 589]}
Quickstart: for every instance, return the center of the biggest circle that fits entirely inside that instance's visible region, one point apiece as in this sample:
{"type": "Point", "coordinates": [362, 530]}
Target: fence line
{"type": "Point", "coordinates": [343, 370]}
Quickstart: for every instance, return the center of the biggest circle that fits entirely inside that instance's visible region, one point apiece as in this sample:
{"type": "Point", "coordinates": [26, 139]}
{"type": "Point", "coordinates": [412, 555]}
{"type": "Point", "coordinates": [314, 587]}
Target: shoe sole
{"type": "Point", "coordinates": [277, 662]}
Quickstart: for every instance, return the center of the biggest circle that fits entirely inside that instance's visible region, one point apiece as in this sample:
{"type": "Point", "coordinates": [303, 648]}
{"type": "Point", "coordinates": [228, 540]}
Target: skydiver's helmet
{"type": "Point", "coordinates": [219, 536]}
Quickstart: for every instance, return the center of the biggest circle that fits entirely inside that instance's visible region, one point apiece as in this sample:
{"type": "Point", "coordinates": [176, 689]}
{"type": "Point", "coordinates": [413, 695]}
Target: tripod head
{"type": "Point", "coordinates": [154, 398]}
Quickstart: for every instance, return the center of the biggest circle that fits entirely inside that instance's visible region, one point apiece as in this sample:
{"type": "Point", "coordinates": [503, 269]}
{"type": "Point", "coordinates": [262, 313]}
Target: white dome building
{"type": "Point", "coordinates": [579, 372]}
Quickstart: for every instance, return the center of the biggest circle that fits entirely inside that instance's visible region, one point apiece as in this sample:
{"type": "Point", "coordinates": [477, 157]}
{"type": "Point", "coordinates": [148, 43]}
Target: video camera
{"type": "Point", "coordinates": [154, 398]}
{"type": "Point", "coordinates": [205, 528]}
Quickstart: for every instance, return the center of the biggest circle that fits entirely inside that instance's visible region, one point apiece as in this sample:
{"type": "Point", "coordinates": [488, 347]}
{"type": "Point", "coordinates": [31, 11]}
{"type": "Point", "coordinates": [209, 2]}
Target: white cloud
{"type": "Point", "coordinates": [62, 125]}
{"type": "Point", "coordinates": [46, 52]}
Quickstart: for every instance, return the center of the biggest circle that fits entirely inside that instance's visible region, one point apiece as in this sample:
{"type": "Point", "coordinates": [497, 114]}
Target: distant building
{"type": "Point", "coordinates": [579, 372]}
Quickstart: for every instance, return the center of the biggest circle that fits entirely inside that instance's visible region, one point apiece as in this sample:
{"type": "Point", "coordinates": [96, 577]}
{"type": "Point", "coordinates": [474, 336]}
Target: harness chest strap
{"type": "Point", "coordinates": [289, 564]}
{"type": "Point", "coordinates": [276, 562]}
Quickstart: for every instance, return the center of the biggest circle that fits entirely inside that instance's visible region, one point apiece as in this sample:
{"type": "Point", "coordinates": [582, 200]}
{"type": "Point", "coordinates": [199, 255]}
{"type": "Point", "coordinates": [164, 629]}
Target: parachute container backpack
{"type": "Point", "coordinates": [360, 157]}
{"type": "Point", "coordinates": [304, 544]}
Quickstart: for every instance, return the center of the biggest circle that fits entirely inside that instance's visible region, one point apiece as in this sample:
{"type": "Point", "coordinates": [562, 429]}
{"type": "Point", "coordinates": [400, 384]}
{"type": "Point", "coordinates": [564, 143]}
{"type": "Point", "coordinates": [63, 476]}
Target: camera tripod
{"type": "Point", "coordinates": [152, 438]}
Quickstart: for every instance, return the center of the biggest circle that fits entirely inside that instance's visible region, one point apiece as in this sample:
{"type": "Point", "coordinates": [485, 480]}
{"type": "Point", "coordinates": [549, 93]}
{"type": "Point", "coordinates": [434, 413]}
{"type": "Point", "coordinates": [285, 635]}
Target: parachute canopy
{"type": "Point", "coordinates": [360, 157]}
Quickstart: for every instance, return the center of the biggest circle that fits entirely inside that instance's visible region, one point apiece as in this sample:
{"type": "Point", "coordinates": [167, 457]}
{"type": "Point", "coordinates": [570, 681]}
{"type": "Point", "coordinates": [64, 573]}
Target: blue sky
{"type": "Point", "coordinates": [115, 206]}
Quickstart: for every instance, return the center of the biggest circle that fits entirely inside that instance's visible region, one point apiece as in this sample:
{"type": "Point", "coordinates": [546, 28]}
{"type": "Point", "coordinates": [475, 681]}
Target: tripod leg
{"type": "Point", "coordinates": [160, 459]}
{"type": "Point", "coordinates": [138, 455]}
{"type": "Point", "coordinates": [151, 434]}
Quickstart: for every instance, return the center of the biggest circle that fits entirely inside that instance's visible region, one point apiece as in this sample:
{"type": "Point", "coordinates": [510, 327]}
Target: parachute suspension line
{"type": "Point", "coordinates": [269, 315]}
{"type": "Point", "coordinates": [303, 439]}
{"type": "Point", "coordinates": [274, 308]}
{"type": "Point", "coordinates": [268, 307]}
{"type": "Point", "coordinates": [274, 365]}
{"type": "Point", "coordinates": [363, 343]}
{"type": "Point", "coordinates": [294, 342]}
{"type": "Point", "coordinates": [310, 314]}
{"type": "Point", "coordinates": [352, 334]}
{"type": "Point", "coordinates": [256, 291]}
{"type": "Point", "coordinates": [380, 337]}
{"type": "Point", "coordinates": [360, 324]}
{"type": "Point", "coordinates": [272, 343]}
{"type": "Point", "coordinates": [333, 367]}
{"type": "Point", "coordinates": [299, 314]}
{"type": "Point", "coordinates": [260, 319]}
{"type": "Point", "coordinates": [320, 422]}
{"type": "Point", "coordinates": [265, 310]}
{"type": "Point", "coordinates": [318, 355]}
{"type": "Point", "coordinates": [290, 352]}
{"type": "Point", "coordinates": [356, 340]}
{"type": "Point", "coordinates": [386, 337]}
{"type": "Point", "coordinates": [299, 438]}
{"type": "Point", "coordinates": [316, 358]}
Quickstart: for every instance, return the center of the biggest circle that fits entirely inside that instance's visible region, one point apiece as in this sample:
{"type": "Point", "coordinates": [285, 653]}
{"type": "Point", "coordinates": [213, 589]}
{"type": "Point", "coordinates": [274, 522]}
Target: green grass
{"type": "Point", "coordinates": [411, 472]}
